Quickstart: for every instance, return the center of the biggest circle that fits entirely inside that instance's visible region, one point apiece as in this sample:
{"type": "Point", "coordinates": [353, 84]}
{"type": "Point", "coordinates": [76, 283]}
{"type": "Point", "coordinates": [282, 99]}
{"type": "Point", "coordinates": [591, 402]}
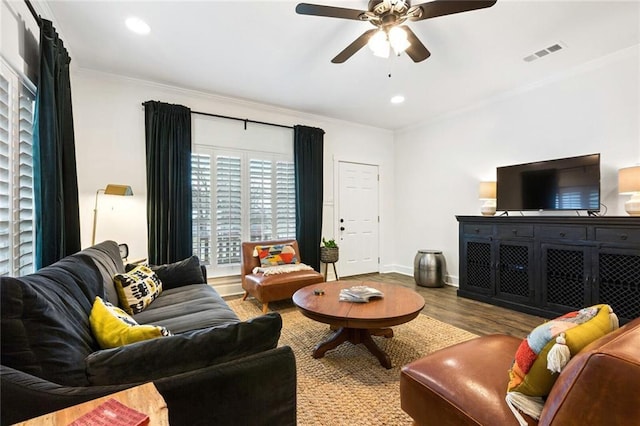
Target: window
{"type": "Point", "coordinates": [239, 196]}
{"type": "Point", "coordinates": [16, 173]}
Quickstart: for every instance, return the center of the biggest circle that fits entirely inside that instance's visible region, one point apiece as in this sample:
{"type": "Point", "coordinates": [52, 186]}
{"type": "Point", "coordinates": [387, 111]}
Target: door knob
{"type": "Point", "coordinates": [341, 220]}
{"type": "Point", "coordinates": [342, 228]}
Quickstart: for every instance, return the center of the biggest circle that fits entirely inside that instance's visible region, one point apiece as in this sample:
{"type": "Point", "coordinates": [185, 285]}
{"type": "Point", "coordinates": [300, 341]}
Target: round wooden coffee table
{"type": "Point", "coordinates": [357, 322]}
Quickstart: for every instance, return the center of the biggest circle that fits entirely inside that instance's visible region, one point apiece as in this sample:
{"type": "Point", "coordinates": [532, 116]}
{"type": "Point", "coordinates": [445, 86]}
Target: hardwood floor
{"type": "Point", "coordinates": [444, 305]}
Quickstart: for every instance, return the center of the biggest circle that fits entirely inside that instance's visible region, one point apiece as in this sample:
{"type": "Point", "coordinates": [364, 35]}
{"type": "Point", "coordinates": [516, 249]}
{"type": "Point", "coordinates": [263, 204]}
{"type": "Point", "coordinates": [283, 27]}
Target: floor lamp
{"type": "Point", "coordinates": [111, 189]}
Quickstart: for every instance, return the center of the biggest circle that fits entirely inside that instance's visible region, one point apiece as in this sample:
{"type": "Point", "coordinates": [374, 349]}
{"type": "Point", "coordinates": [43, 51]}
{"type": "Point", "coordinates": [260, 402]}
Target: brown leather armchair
{"type": "Point", "coordinates": [272, 287]}
{"type": "Point", "coordinates": [466, 384]}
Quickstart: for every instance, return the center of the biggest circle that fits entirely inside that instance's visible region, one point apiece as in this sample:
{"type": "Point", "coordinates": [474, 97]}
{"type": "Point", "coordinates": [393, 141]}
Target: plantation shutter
{"type": "Point", "coordinates": [23, 247]}
{"type": "Point", "coordinates": [260, 204]}
{"type": "Point", "coordinates": [16, 178]}
{"type": "Point", "coordinates": [5, 176]}
{"type": "Point", "coordinates": [228, 209]}
{"type": "Point", "coordinates": [201, 205]}
{"type": "Point", "coordinates": [285, 200]}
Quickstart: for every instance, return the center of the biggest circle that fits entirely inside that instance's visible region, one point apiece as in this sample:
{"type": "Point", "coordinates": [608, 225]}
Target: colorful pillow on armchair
{"type": "Point", "coordinates": [547, 349]}
{"type": "Point", "coordinates": [279, 254]}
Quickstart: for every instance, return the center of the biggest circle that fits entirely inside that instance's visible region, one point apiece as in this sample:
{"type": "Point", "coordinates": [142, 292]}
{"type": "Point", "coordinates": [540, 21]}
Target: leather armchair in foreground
{"type": "Point", "coordinates": [466, 384]}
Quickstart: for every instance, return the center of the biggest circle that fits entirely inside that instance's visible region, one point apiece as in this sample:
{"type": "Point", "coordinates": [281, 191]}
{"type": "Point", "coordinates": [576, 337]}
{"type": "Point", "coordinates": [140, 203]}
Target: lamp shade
{"type": "Point", "coordinates": [487, 190]}
{"type": "Point", "coordinates": [629, 180]}
{"type": "Point", "coordinates": [113, 189]}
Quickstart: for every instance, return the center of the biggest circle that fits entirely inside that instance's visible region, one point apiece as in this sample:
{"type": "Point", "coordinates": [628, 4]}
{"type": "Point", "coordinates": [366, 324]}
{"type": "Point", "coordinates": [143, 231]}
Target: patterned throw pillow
{"type": "Point", "coordinates": [112, 327]}
{"type": "Point", "coordinates": [137, 288]}
{"type": "Point", "coordinates": [547, 349]}
{"type": "Point", "coordinates": [279, 254]}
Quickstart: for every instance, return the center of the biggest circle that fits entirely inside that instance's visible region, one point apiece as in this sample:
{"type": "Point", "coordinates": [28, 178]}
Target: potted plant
{"type": "Point", "coordinates": [329, 251]}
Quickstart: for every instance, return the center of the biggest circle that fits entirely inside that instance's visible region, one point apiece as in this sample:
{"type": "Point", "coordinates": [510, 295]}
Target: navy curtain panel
{"type": "Point", "coordinates": [307, 157]}
{"type": "Point", "coordinates": [55, 183]}
{"type": "Point", "coordinates": [168, 148]}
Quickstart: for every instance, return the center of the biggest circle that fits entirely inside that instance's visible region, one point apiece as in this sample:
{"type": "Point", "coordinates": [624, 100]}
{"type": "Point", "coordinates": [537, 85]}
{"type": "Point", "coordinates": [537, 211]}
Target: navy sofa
{"type": "Point", "coordinates": [209, 371]}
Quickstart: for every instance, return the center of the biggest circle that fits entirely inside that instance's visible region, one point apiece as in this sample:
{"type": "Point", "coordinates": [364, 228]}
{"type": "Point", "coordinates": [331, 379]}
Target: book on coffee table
{"type": "Point", "coordinates": [359, 294]}
{"type": "Point", "coordinates": [112, 413]}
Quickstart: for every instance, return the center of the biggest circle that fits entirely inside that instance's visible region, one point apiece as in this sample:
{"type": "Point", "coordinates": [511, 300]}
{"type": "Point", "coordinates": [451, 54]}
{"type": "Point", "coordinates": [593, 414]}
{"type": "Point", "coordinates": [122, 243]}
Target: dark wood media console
{"type": "Point", "coordinates": [550, 265]}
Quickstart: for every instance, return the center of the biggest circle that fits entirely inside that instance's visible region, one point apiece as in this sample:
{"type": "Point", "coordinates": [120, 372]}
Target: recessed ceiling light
{"type": "Point", "coordinates": [137, 25]}
{"type": "Point", "coordinates": [398, 99]}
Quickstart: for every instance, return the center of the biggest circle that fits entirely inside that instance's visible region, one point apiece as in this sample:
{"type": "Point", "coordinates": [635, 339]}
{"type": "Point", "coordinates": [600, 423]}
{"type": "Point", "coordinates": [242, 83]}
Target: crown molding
{"type": "Point", "coordinates": [312, 119]}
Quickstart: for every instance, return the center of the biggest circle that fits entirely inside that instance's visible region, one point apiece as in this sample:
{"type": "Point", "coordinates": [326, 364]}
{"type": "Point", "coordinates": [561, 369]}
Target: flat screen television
{"type": "Point", "coordinates": [563, 184]}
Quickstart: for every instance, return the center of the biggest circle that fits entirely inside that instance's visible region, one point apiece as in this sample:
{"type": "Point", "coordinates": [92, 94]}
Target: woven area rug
{"type": "Point", "coordinates": [349, 386]}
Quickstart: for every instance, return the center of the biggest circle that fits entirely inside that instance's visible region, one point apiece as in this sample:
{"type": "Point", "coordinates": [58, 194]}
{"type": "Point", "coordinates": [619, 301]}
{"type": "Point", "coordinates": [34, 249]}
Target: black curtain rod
{"type": "Point", "coordinates": [33, 12]}
{"type": "Point", "coordinates": [245, 120]}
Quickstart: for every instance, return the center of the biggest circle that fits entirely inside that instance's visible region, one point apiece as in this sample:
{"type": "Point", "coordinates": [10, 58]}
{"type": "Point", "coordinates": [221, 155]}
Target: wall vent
{"type": "Point", "coordinates": [543, 52]}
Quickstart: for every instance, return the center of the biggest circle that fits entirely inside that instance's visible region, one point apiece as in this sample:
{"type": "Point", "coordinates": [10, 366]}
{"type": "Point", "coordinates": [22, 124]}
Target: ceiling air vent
{"type": "Point", "coordinates": [544, 52]}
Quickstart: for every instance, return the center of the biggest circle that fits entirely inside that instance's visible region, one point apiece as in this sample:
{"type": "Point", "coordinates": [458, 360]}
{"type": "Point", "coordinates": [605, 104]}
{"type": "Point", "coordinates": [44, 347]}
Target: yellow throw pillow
{"type": "Point", "coordinates": [112, 327]}
{"type": "Point", "coordinates": [137, 288]}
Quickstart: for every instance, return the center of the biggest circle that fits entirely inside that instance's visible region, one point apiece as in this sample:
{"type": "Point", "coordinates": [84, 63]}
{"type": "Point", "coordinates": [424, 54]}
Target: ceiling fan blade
{"type": "Point", "coordinates": [448, 7]}
{"type": "Point", "coordinates": [353, 47]}
{"type": "Point", "coordinates": [328, 11]}
{"type": "Point", "coordinates": [416, 51]}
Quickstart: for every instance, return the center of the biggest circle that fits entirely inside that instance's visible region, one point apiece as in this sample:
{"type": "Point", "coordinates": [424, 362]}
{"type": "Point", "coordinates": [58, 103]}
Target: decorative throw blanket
{"type": "Point", "coordinates": [282, 269]}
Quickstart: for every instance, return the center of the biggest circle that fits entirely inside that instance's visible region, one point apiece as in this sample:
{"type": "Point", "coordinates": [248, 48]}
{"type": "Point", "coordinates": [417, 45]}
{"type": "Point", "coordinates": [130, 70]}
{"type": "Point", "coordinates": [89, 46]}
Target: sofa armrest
{"type": "Point", "coordinates": [23, 396]}
{"type": "Point", "coordinates": [256, 390]}
{"type": "Point", "coordinates": [218, 394]}
{"type": "Point", "coordinates": [167, 356]}
{"type": "Point", "coordinates": [203, 269]}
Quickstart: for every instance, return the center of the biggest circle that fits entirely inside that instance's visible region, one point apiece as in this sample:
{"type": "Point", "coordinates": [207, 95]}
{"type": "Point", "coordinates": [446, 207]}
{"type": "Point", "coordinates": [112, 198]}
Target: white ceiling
{"type": "Point", "coordinates": [263, 51]}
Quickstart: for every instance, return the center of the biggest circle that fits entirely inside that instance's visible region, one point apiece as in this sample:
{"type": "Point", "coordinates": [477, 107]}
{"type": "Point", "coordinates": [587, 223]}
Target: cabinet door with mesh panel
{"type": "Point", "coordinates": [617, 281]}
{"type": "Point", "coordinates": [514, 271]}
{"type": "Point", "coordinates": [477, 273]}
{"type": "Point", "coordinates": [566, 277]}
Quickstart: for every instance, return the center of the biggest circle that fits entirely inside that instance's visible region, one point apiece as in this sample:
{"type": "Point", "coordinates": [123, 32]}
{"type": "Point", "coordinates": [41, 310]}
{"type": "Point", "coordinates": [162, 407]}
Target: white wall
{"type": "Point", "coordinates": [438, 165]}
{"type": "Point", "coordinates": [110, 148]}
{"type": "Point", "coordinates": [19, 38]}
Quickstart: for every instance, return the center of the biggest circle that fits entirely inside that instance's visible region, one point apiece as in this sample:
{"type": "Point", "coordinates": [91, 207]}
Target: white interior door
{"type": "Point", "coordinates": [358, 219]}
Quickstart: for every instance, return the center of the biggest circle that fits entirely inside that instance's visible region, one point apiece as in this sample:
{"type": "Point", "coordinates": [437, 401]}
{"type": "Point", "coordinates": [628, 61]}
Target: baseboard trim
{"type": "Point", "coordinates": [232, 286]}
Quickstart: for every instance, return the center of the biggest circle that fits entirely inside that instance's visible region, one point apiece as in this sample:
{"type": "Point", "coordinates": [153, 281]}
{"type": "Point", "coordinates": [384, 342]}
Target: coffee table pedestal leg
{"type": "Point", "coordinates": [355, 336]}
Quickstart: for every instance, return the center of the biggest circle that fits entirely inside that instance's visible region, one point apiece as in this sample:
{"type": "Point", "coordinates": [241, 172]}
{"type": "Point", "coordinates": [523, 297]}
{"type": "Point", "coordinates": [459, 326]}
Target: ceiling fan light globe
{"type": "Point", "coordinates": [397, 35]}
{"type": "Point", "coordinates": [398, 39]}
{"type": "Point", "coordinates": [382, 51]}
{"type": "Point", "coordinates": [400, 46]}
{"type": "Point", "coordinates": [379, 45]}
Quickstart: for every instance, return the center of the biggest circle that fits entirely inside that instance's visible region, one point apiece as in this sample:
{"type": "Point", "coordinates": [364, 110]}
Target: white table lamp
{"type": "Point", "coordinates": [629, 183]}
{"type": "Point", "coordinates": [488, 194]}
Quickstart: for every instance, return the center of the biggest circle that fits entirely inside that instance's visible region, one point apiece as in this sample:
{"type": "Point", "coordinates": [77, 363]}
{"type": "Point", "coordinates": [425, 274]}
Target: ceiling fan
{"type": "Point", "coordinates": [388, 16]}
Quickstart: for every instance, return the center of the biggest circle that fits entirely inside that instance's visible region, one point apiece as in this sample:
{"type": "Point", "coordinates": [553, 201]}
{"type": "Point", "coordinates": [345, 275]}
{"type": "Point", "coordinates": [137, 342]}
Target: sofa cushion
{"type": "Point", "coordinates": [177, 274]}
{"type": "Point", "coordinates": [106, 258]}
{"type": "Point", "coordinates": [157, 358]}
{"type": "Point", "coordinates": [45, 320]}
{"type": "Point", "coordinates": [137, 288]}
{"type": "Point", "coordinates": [277, 254]}
{"type": "Point", "coordinates": [188, 308]}
{"type": "Point", "coordinates": [113, 327]}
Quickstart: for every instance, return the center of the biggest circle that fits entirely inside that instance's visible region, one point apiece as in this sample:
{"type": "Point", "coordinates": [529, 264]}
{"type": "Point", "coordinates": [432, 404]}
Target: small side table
{"type": "Point", "coordinates": [326, 270]}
